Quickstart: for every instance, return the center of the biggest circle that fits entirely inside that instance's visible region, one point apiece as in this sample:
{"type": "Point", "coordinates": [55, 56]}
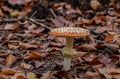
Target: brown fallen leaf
{"type": "Point", "coordinates": [117, 40]}
{"type": "Point", "coordinates": [5, 54]}
{"type": "Point", "coordinates": [11, 46]}
{"type": "Point", "coordinates": [14, 2]}
{"type": "Point", "coordinates": [25, 65]}
{"type": "Point", "coordinates": [86, 21]}
{"type": "Point", "coordinates": [1, 13]}
{"type": "Point", "coordinates": [18, 76]}
{"type": "Point", "coordinates": [110, 73]}
{"type": "Point", "coordinates": [89, 74]}
{"type": "Point", "coordinates": [31, 75]}
{"type": "Point", "coordinates": [27, 45]}
{"type": "Point", "coordinates": [110, 37]}
{"type": "Point", "coordinates": [46, 75]}
{"type": "Point", "coordinates": [6, 8]}
{"type": "Point", "coordinates": [114, 71]}
{"type": "Point", "coordinates": [104, 72]}
{"type": "Point", "coordinates": [10, 60]}
{"type": "Point", "coordinates": [64, 74]}
{"type": "Point", "coordinates": [95, 4]}
{"type": "Point", "coordinates": [60, 21]}
{"type": "Point", "coordinates": [88, 47]}
{"type": "Point", "coordinates": [4, 77]}
{"type": "Point", "coordinates": [38, 64]}
{"type": "Point", "coordinates": [33, 55]}
{"type": "Point", "coordinates": [7, 71]}
{"type": "Point", "coordinates": [9, 27]}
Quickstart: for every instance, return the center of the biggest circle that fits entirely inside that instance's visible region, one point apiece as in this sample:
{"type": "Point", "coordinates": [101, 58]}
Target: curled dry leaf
{"type": "Point", "coordinates": [10, 60]}
{"type": "Point", "coordinates": [33, 55]}
{"type": "Point", "coordinates": [95, 4]}
{"type": "Point", "coordinates": [18, 76]}
{"type": "Point", "coordinates": [7, 71]}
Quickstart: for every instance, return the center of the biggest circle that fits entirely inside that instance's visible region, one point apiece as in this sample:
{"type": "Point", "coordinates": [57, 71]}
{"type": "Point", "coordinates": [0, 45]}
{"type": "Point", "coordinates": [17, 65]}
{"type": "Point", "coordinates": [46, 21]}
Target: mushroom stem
{"type": "Point", "coordinates": [68, 51]}
{"type": "Point", "coordinates": [67, 63]}
{"type": "Point", "coordinates": [69, 43]}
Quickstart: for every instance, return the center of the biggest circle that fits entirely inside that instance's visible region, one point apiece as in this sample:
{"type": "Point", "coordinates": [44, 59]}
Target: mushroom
{"type": "Point", "coordinates": [69, 33]}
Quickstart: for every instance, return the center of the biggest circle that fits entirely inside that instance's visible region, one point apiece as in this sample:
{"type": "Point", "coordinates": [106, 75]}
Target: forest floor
{"type": "Point", "coordinates": [28, 51]}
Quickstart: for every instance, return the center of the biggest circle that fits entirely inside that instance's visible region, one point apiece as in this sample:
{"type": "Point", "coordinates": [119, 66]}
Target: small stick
{"type": "Point", "coordinates": [29, 19]}
{"type": "Point", "coordinates": [53, 13]}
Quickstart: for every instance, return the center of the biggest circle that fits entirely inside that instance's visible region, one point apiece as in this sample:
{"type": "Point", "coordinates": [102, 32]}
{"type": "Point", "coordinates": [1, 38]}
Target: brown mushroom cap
{"type": "Point", "coordinates": [69, 31]}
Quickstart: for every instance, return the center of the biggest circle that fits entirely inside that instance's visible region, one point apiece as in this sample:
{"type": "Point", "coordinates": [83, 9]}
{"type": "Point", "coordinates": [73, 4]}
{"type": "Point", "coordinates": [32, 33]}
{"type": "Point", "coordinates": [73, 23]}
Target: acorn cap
{"type": "Point", "coordinates": [69, 31]}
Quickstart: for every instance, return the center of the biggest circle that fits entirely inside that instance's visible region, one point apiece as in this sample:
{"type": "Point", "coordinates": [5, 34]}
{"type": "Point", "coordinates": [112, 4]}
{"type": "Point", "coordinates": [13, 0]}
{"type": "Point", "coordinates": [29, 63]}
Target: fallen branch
{"type": "Point", "coordinates": [38, 23]}
{"type": "Point", "coordinates": [29, 19]}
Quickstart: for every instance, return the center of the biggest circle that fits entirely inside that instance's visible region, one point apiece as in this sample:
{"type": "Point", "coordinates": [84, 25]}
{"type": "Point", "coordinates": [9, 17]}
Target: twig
{"type": "Point", "coordinates": [53, 13]}
{"type": "Point", "coordinates": [38, 23]}
{"type": "Point", "coordinates": [29, 19]}
{"type": "Point", "coordinates": [8, 19]}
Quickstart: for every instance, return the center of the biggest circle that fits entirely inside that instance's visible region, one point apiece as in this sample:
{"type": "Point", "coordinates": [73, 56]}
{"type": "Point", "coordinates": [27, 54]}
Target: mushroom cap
{"type": "Point", "coordinates": [69, 31]}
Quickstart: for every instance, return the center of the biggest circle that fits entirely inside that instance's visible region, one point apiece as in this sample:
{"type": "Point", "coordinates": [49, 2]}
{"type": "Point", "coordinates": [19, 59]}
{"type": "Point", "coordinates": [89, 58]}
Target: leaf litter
{"type": "Point", "coordinates": [27, 50]}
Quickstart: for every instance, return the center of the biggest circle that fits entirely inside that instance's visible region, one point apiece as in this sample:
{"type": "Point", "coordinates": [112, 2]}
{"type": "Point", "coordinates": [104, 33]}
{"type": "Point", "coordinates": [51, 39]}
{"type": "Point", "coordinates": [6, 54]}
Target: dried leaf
{"type": "Point", "coordinates": [25, 65]}
{"type": "Point", "coordinates": [89, 74]}
{"type": "Point", "coordinates": [4, 77]}
{"type": "Point", "coordinates": [5, 8]}
{"type": "Point", "coordinates": [46, 75]}
{"type": "Point", "coordinates": [64, 74]}
{"type": "Point", "coordinates": [9, 27]}
{"type": "Point", "coordinates": [10, 60]}
{"type": "Point", "coordinates": [86, 21]}
{"type": "Point", "coordinates": [109, 37]}
{"type": "Point", "coordinates": [105, 60]}
{"type": "Point", "coordinates": [14, 2]}
{"type": "Point", "coordinates": [31, 75]}
{"type": "Point", "coordinates": [5, 54]}
{"type": "Point", "coordinates": [38, 64]}
{"type": "Point", "coordinates": [18, 76]}
{"type": "Point", "coordinates": [114, 71]}
{"type": "Point", "coordinates": [104, 72]}
{"type": "Point", "coordinates": [95, 4]}
{"type": "Point", "coordinates": [11, 46]}
{"type": "Point", "coordinates": [32, 27]}
{"type": "Point", "coordinates": [88, 47]}
{"type": "Point", "coordinates": [27, 45]}
{"type": "Point", "coordinates": [60, 21]}
{"type": "Point", "coordinates": [34, 55]}
{"type": "Point", "coordinates": [14, 13]}
{"type": "Point", "coordinates": [7, 71]}
{"type": "Point", "coordinates": [110, 73]}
